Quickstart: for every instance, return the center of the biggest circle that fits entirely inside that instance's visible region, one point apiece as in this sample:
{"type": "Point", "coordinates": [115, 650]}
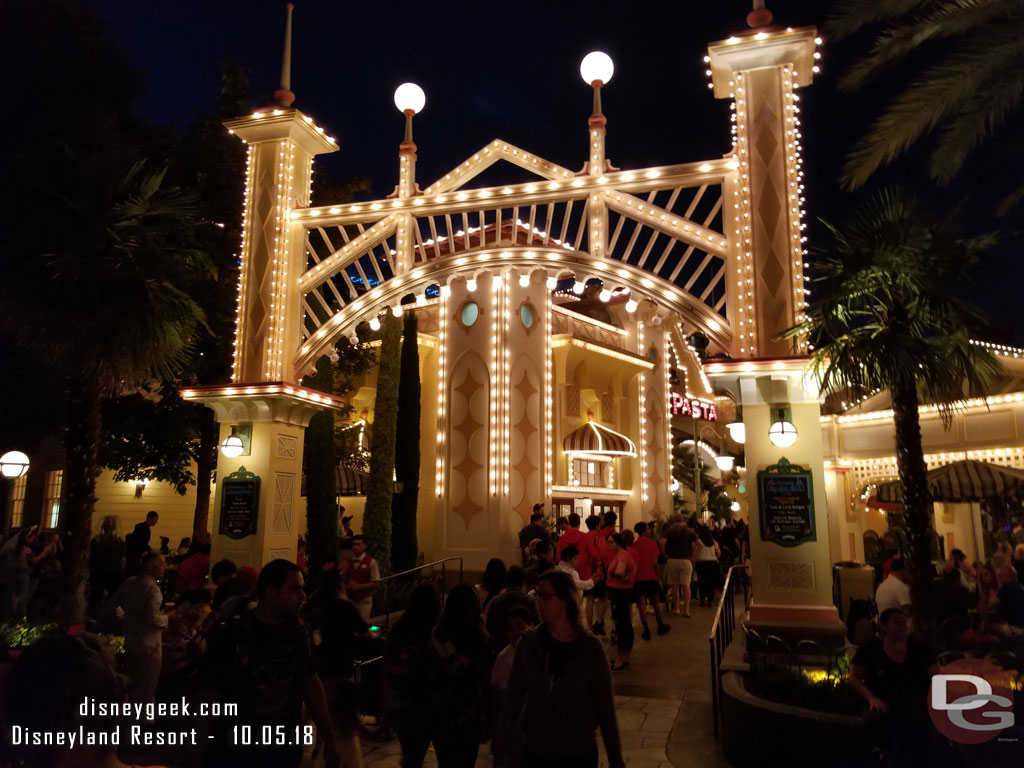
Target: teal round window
{"type": "Point", "coordinates": [526, 315]}
{"type": "Point", "coordinates": [470, 313]}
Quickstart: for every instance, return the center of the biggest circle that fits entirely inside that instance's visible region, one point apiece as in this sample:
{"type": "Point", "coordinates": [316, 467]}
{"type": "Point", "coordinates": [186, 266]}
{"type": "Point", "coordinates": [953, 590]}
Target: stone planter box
{"type": "Point", "coordinates": [757, 732]}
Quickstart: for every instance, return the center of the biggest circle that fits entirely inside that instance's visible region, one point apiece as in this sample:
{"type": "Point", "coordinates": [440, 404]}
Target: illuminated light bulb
{"type": "Point", "coordinates": [232, 447]}
{"type": "Point", "coordinates": [445, 291]}
{"type": "Point", "coordinates": [552, 283]}
{"type": "Point", "coordinates": [524, 281]}
{"type": "Point", "coordinates": [577, 288]}
{"type": "Point", "coordinates": [375, 324]}
{"type": "Point", "coordinates": [782, 434]}
{"type": "Point", "coordinates": [597, 67]}
{"type": "Point", "coordinates": [396, 311]}
{"type": "Point", "coordinates": [631, 306]}
{"type": "Point", "coordinates": [471, 284]}
{"type": "Point", "coordinates": [13, 464]}
{"type": "Point", "coordinates": [725, 462]}
{"type": "Point", "coordinates": [353, 340]}
{"type": "Point", "coordinates": [410, 97]}
{"type": "Point", "coordinates": [605, 295]}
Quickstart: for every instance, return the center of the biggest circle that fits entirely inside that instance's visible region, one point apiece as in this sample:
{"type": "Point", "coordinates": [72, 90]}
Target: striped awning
{"type": "Point", "coordinates": [351, 482]}
{"type": "Point", "coordinates": [963, 481]}
{"type": "Point", "coordinates": [594, 439]}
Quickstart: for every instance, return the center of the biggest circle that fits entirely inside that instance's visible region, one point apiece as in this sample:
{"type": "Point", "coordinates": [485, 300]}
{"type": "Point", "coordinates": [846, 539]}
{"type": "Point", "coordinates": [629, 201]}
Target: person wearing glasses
{"type": "Point", "coordinates": [559, 692]}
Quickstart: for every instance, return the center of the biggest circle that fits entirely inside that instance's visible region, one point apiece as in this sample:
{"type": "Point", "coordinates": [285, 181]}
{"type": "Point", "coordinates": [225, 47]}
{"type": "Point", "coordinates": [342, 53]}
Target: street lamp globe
{"type": "Point", "coordinates": [13, 464]}
{"type": "Point", "coordinates": [597, 67]}
{"type": "Point", "coordinates": [782, 434]}
{"type": "Point", "coordinates": [725, 462]}
{"type": "Point", "coordinates": [409, 97]}
{"type": "Point", "coordinates": [232, 447]}
{"type": "Point", "coordinates": [737, 431]}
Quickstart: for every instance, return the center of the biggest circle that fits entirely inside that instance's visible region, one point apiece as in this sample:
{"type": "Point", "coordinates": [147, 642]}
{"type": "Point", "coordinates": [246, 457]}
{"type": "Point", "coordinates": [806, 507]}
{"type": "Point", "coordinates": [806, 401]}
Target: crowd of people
{"type": "Point", "coordinates": [976, 608]}
{"type": "Point", "coordinates": [517, 660]}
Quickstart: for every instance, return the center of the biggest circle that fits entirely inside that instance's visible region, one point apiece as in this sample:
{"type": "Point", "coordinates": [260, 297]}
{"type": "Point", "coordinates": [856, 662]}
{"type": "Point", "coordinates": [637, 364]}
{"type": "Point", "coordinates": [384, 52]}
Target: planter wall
{"type": "Point", "coordinates": [757, 732]}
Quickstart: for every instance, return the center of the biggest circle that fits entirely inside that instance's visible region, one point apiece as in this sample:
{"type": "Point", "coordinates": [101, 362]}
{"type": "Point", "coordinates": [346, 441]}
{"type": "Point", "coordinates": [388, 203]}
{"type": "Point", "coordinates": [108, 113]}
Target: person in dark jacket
{"type": "Point", "coordinates": [409, 675]}
{"type": "Point", "coordinates": [560, 690]}
{"type": "Point", "coordinates": [463, 677]}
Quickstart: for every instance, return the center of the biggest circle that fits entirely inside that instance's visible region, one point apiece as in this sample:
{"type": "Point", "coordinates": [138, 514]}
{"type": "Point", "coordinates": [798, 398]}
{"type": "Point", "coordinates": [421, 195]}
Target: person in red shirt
{"type": "Point", "coordinates": [572, 537]}
{"type": "Point", "coordinates": [194, 569]}
{"type": "Point", "coordinates": [621, 577]}
{"type": "Point", "coordinates": [645, 552]}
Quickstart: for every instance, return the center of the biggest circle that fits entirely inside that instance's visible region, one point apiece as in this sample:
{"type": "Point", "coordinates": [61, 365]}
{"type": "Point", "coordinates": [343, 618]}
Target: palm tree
{"type": "Point", "coordinates": [99, 301]}
{"type": "Point", "coordinates": [973, 81]}
{"type": "Point", "coordinates": [884, 317]}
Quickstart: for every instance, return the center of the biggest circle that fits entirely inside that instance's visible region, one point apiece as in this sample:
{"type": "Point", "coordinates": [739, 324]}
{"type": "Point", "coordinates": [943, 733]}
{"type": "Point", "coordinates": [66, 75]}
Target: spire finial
{"type": "Point", "coordinates": [284, 95]}
{"type": "Point", "coordinates": [760, 16]}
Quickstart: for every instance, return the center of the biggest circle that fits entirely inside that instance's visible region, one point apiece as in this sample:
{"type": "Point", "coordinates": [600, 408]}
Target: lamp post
{"type": "Point", "coordinates": [697, 433]}
{"type": "Point", "coordinates": [13, 465]}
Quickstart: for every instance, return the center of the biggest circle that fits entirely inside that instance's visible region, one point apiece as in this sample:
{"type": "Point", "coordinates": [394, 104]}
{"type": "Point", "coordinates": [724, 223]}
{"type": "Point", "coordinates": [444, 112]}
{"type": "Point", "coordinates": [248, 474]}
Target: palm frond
{"type": "Point", "coordinates": [940, 92]}
{"type": "Point", "coordinates": [854, 15]}
{"type": "Point", "coordinates": [984, 113]}
{"type": "Point", "coordinates": [943, 21]}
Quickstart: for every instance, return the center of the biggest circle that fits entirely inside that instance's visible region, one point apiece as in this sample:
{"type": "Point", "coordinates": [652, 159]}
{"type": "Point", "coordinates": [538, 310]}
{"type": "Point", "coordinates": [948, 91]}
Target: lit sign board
{"type": "Point", "coordinates": [692, 407]}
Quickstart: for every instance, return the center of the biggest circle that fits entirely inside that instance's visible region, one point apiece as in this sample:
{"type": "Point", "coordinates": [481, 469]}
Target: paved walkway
{"type": "Point", "coordinates": [663, 702]}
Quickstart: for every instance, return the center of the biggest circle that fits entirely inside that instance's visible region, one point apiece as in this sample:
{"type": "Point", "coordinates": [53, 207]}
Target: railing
{"type": "Point", "coordinates": [398, 585]}
{"type": "Point", "coordinates": [721, 634]}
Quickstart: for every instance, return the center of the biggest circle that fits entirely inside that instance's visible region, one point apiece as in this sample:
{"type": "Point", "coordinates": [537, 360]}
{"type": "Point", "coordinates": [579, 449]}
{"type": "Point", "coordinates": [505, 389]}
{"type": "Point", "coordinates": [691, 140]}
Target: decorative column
{"type": "Point", "coordinates": [258, 512]}
{"type": "Point", "coordinates": [761, 70]}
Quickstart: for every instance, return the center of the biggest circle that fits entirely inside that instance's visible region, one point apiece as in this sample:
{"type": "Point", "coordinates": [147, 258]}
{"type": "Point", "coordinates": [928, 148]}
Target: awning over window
{"type": "Point", "coordinates": [963, 481]}
{"type": "Point", "coordinates": [596, 440]}
{"type": "Point", "coordinates": [351, 482]}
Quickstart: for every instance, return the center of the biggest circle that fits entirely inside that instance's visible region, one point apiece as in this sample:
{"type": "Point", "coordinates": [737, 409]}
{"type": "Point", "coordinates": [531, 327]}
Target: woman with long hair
{"type": "Point", "coordinates": [621, 575]}
{"type": "Point", "coordinates": [493, 582]}
{"type": "Point", "coordinates": [409, 674]}
{"type": "Point", "coordinates": [707, 554]}
{"type": "Point", "coordinates": [560, 690]}
{"type": "Point", "coordinates": [463, 674]}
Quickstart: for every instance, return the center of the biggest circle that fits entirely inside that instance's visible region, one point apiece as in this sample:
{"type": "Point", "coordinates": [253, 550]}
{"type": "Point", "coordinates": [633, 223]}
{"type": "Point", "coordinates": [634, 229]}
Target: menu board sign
{"type": "Point", "coordinates": [786, 504]}
{"type": "Point", "coordinates": [239, 504]}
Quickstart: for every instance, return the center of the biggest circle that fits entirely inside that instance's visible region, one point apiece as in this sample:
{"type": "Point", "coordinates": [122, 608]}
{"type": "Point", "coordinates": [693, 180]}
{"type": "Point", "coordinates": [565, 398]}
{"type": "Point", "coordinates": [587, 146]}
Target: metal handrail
{"type": "Point", "coordinates": [387, 597]}
{"type": "Point", "coordinates": [721, 634]}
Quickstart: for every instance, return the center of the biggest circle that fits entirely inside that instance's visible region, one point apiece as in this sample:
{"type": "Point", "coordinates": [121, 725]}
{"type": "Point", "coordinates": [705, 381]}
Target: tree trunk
{"type": "Point", "coordinates": [917, 506]}
{"type": "Point", "coordinates": [81, 441]}
{"type": "Point", "coordinates": [206, 464]}
{"type": "Point", "coordinates": [321, 465]}
{"type": "Point", "coordinates": [380, 487]}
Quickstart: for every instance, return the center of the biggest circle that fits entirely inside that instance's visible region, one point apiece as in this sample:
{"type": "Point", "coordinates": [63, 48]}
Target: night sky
{"type": "Point", "coordinates": [511, 71]}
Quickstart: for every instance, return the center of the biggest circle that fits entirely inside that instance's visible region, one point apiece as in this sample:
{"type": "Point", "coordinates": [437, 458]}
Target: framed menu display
{"type": "Point", "coordinates": [786, 503]}
{"type": "Point", "coordinates": [239, 504]}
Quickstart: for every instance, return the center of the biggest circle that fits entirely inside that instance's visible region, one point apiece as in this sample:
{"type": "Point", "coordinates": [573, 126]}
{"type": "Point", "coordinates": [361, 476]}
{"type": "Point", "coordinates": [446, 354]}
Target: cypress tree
{"type": "Point", "coordinates": [380, 486]}
{"type": "Point", "coordinates": [320, 464]}
{"type": "Point", "coordinates": [404, 547]}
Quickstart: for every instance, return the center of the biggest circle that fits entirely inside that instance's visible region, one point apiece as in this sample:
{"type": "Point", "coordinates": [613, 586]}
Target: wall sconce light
{"type": "Point", "coordinates": [737, 429]}
{"type": "Point", "coordinates": [782, 432]}
{"type": "Point", "coordinates": [140, 486]}
{"type": "Point", "coordinates": [13, 464]}
{"type": "Point", "coordinates": [238, 443]}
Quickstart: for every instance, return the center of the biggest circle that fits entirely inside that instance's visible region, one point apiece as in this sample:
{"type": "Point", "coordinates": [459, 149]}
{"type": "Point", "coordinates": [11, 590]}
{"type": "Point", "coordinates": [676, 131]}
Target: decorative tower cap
{"type": "Point", "coordinates": [283, 95]}
{"type": "Point", "coordinates": [760, 16]}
